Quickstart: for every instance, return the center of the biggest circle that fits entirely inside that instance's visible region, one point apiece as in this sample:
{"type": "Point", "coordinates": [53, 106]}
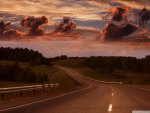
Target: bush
{"type": "Point", "coordinates": [17, 74]}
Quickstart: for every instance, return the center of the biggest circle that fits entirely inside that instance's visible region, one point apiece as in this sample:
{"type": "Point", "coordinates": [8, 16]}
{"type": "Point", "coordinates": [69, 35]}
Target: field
{"type": "Point", "coordinates": [119, 76]}
{"type": "Point", "coordinates": [68, 63]}
{"type": "Point", "coordinates": [54, 75]}
{"type": "Point", "coordinates": [38, 68]}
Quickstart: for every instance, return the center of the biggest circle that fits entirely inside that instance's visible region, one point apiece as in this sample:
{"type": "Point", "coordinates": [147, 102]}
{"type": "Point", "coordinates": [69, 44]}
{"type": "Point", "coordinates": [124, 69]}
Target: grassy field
{"type": "Point", "coordinates": [12, 84]}
{"type": "Point", "coordinates": [118, 76]}
{"type": "Point", "coordinates": [61, 77]}
{"type": "Point", "coordinates": [68, 62]}
{"type": "Point", "coordinates": [37, 69]}
{"type": "Point", "coordinates": [54, 75]}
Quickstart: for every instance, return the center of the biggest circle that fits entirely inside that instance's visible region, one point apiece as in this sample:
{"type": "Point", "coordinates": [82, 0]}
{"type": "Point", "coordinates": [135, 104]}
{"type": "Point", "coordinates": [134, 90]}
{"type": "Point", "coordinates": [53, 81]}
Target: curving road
{"type": "Point", "coordinates": [94, 98]}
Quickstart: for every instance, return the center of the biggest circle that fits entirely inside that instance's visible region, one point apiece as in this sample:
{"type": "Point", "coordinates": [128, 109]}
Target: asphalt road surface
{"type": "Point", "coordinates": [94, 98]}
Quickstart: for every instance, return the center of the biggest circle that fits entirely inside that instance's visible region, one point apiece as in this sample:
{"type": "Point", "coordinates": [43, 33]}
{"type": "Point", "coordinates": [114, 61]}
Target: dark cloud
{"type": "Point", "coordinates": [35, 23]}
{"type": "Point", "coordinates": [144, 17]}
{"type": "Point", "coordinates": [6, 31]}
{"type": "Point", "coordinates": [66, 25]}
{"type": "Point", "coordinates": [113, 32]}
{"type": "Point", "coordinates": [119, 13]}
{"type": "Point", "coordinates": [125, 27]}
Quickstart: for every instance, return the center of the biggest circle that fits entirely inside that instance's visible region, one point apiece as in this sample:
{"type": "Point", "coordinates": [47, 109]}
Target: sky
{"type": "Point", "coordinates": [85, 39]}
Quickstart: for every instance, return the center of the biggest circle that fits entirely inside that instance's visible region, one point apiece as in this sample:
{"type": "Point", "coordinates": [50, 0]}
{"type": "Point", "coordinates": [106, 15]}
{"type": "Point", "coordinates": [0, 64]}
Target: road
{"type": "Point", "coordinates": [95, 98]}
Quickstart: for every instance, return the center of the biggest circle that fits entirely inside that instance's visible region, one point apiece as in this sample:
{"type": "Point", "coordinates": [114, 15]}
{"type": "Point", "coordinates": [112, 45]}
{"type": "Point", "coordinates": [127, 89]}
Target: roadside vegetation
{"type": "Point", "coordinates": [19, 67]}
{"type": "Point", "coordinates": [128, 70]}
{"type": "Point", "coordinates": [30, 67]}
{"type": "Point", "coordinates": [14, 73]}
{"type": "Point", "coordinates": [24, 72]}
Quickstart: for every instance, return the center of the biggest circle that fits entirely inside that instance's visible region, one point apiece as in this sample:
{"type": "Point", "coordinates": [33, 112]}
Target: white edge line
{"type": "Point", "coordinates": [119, 83]}
{"type": "Point", "coordinates": [105, 82]}
{"type": "Point", "coordinates": [45, 99]}
{"type": "Point", "coordinates": [110, 108]}
{"type": "Point", "coordinates": [101, 81]}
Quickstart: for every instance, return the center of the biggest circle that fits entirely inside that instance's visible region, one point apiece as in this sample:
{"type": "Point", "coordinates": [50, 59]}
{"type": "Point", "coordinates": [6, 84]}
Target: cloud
{"type": "Point", "coordinates": [6, 32]}
{"type": "Point", "coordinates": [87, 13]}
{"type": "Point", "coordinates": [35, 23]}
{"type": "Point", "coordinates": [54, 7]}
{"type": "Point", "coordinates": [121, 25]}
{"type": "Point", "coordinates": [135, 4]}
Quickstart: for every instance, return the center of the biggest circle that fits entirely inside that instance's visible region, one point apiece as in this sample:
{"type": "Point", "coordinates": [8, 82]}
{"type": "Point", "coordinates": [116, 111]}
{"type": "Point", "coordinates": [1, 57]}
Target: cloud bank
{"type": "Point", "coordinates": [87, 13]}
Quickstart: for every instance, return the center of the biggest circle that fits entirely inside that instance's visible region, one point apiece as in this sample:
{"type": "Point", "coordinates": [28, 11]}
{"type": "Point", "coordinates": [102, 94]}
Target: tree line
{"type": "Point", "coordinates": [14, 73]}
{"type": "Point", "coordinates": [23, 55]}
{"type": "Point", "coordinates": [107, 65]}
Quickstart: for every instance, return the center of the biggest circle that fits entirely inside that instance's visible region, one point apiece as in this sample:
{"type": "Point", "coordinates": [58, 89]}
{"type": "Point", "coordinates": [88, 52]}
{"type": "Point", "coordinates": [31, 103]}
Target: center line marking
{"type": "Point", "coordinates": [110, 108]}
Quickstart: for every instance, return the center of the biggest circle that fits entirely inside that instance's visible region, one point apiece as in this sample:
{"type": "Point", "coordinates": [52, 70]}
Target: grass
{"type": "Point", "coordinates": [37, 69]}
{"type": "Point", "coordinates": [68, 62]}
{"type": "Point", "coordinates": [97, 75]}
{"type": "Point", "coordinates": [118, 76]}
{"type": "Point", "coordinates": [61, 77]}
{"type": "Point", "coordinates": [54, 74]}
{"type": "Point", "coordinates": [5, 84]}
